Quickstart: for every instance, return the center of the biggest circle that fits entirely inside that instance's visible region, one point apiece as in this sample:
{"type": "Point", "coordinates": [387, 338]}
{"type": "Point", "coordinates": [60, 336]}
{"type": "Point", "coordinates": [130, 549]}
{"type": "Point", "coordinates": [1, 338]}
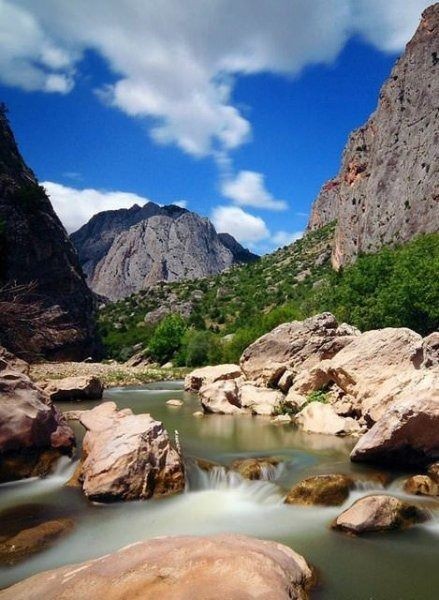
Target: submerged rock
{"type": "Point", "coordinates": [255, 468]}
{"type": "Point", "coordinates": [378, 513]}
{"type": "Point", "coordinates": [422, 485]}
{"type": "Point", "coordinates": [174, 402]}
{"type": "Point", "coordinates": [407, 435]}
{"type": "Point", "coordinates": [187, 568]}
{"type": "Point", "coordinates": [33, 540]}
{"type": "Point", "coordinates": [75, 388]}
{"type": "Point", "coordinates": [207, 375]}
{"type": "Point", "coordinates": [127, 456]}
{"type": "Point", "coordinates": [328, 490]}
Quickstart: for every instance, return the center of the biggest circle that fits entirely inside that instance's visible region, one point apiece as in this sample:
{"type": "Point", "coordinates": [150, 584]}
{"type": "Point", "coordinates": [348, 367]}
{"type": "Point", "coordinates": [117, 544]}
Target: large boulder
{"type": "Point", "coordinates": [378, 513]}
{"type": "Point", "coordinates": [33, 433]}
{"type": "Point", "coordinates": [183, 568]}
{"type": "Point", "coordinates": [294, 346]}
{"type": "Point", "coordinates": [221, 397]}
{"type": "Point", "coordinates": [318, 417]}
{"type": "Point", "coordinates": [261, 401]}
{"type": "Point", "coordinates": [195, 380]}
{"type": "Point", "coordinates": [75, 388]}
{"type": "Point", "coordinates": [408, 434]}
{"type": "Point", "coordinates": [127, 456]}
{"type": "Point", "coordinates": [373, 371]}
{"type": "Point", "coordinates": [328, 490]}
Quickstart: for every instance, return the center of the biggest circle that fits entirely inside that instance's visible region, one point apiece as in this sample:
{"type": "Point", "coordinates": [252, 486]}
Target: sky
{"type": "Point", "coordinates": [236, 109]}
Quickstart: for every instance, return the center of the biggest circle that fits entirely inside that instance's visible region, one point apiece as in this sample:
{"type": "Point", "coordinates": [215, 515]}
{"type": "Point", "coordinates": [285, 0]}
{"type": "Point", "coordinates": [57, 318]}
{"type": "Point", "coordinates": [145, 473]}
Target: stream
{"type": "Point", "coordinates": [392, 566]}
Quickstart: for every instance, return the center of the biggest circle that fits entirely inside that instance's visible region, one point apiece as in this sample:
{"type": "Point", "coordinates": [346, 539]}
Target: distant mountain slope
{"type": "Point", "coordinates": [125, 251]}
{"type": "Point", "coordinates": [35, 248]}
{"type": "Point", "coordinates": [387, 189]}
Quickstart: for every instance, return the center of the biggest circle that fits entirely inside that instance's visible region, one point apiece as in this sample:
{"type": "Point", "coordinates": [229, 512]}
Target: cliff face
{"type": "Point", "coordinates": [35, 249]}
{"type": "Point", "coordinates": [387, 189]}
{"type": "Point", "coordinates": [128, 250]}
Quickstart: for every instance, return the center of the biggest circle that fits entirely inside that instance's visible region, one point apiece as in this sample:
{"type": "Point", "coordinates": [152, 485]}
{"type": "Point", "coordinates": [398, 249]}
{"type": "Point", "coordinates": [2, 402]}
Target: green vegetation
{"type": "Point", "coordinates": [318, 396]}
{"type": "Point", "coordinates": [394, 287]}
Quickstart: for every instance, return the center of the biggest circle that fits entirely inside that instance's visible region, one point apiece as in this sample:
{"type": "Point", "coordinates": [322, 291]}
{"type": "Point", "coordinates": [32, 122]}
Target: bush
{"type": "Point", "coordinates": [167, 338]}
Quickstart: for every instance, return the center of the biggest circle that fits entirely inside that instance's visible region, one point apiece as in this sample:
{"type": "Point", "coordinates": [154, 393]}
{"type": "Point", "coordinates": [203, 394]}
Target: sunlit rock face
{"type": "Point", "coordinates": [387, 188]}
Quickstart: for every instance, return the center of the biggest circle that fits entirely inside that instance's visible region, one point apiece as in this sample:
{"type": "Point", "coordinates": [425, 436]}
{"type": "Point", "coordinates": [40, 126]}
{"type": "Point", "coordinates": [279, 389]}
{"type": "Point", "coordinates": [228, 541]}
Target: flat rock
{"type": "Point", "coordinates": [327, 490]}
{"type": "Point", "coordinates": [318, 417]}
{"type": "Point", "coordinates": [75, 388]}
{"type": "Point", "coordinates": [183, 568]}
{"type": "Point", "coordinates": [127, 456]}
{"type": "Point", "coordinates": [407, 435]}
{"type": "Point", "coordinates": [378, 513]}
{"type": "Point", "coordinates": [207, 375]}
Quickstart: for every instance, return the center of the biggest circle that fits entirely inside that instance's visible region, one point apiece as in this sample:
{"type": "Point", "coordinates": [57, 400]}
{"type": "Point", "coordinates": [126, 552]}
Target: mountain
{"type": "Point", "coordinates": [128, 250]}
{"type": "Point", "coordinates": [387, 189]}
{"type": "Point", "coordinates": [36, 250]}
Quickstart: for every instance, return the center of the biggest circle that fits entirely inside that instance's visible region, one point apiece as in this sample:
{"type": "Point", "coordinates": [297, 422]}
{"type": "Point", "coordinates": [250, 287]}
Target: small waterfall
{"type": "Point", "coordinates": [368, 485]}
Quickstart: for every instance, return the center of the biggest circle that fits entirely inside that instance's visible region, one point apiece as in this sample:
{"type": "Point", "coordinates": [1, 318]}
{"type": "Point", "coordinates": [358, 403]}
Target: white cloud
{"type": "Point", "coordinates": [246, 228]}
{"type": "Point", "coordinates": [248, 189]}
{"type": "Point", "coordinates": [284, 238]}
{"type": "Point", "coordinates": [176, 62]}
{"type": "Point", "coordinates": [75, 207]}
{"type": "Point", "coordinates": [180, 203]}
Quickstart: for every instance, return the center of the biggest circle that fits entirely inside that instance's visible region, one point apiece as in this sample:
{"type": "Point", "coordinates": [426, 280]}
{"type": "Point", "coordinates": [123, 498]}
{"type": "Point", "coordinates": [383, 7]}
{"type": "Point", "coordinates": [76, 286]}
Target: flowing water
{"type": "Point", "coordinates": [393, 566]}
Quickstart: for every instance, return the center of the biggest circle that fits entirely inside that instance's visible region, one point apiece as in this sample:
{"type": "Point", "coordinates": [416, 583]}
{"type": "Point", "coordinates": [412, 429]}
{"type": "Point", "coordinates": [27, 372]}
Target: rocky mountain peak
{"type": "Point", "coordinates": [387, 188]}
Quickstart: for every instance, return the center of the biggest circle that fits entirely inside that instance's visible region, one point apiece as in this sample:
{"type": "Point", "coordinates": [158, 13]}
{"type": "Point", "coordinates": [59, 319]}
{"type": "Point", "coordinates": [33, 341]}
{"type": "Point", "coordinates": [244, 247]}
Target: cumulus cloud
{"type": "Point", "coordinates": [75, 207]}
{"type": "Point", "coordinates": [176, 62]}
{"type": "Point", "coordinates": [248, 189]}
{"type": "Point", "coordinates": [284, 238]}
{"type": "Point", "coordinates": [244, 227]}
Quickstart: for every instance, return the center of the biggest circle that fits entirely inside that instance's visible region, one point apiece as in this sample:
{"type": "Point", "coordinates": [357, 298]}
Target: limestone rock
{"type": "Point", "coordinates": [35, 249]}
{"type": "Point", "coordinates": [422, 485]}
{"type": "Point", "coordinates": [328, 490]}
{"type": "Point", "coordinates": [206, 375]}
{"type": "Point", "coordinates": [256, 468]}
{"type": "Point", "coordinates": [386, 190]}
{"type": "Point", "coordinates": [127, 250]}
{"type": "Point", "coordinates": [221, 566]}
{"type": "Point", "coordinates": [221, 397]}
{"type": "Point", "coordinates": [261, 401]}
{"type": "Point", "coordinates": [408, 434]}
{"type": "Point", "coordinates": [127, 456]}
{"type": "Point", "coordinates": [75, 388]}
{"type": "Point", "coordinates": [293, 346]}
{"type": "Point", "coordinates": [378, 513]}
{"type": "Point", "coordinates": [174, 402]}
{"type": "Point", "coordinates": [317, 417]}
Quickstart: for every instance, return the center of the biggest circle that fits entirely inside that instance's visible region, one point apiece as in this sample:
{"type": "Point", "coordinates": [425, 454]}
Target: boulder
{"type": "Point", "coordinates": [294, 346]}
{"type": "Point", "coordinates": [187, 568]}
{"type": "Point", "coordinates": [282, 419]}
{"type": "Point", "coordinates": [33, 433]}
{"type": "Point", "coordinates": [32, 540]}
{"type": "Point", "coordinates": [433, 471]}
{"type": "Point", "coordinates": [195, 380]}
{"type": "Point", "coordinates": [407, 435]}
{"type": "Point", "coordinates": [421, 485]}
{"type": "Point", "coordinates": [318, 417]}
{"type": "Point", "coordinates": [13, 362]}
{"type": "Point", "coordinates": [256, 468]}
{"type": "Point", "coordinates": [127, 456]}
{"type": "Point", "coordinates": [75, 388]}
{"type": "Point", "coordinates": [378, 513]}
{"type": "Point", "coordinates": [261, 401]}
{"type": "Point", "coordinates": [221, 397]}
{"type": "Point", "coordinates": [328, 490]}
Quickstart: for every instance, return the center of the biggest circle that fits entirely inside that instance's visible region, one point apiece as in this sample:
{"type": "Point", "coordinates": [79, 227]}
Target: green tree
{"type": "Point", "coordinates": [167, 338]}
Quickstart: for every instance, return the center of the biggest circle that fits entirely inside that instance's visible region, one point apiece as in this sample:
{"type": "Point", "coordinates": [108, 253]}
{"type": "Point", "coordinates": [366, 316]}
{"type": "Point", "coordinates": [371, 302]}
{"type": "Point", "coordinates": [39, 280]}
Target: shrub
{"type": "Point", "coordinates": [167, 338]}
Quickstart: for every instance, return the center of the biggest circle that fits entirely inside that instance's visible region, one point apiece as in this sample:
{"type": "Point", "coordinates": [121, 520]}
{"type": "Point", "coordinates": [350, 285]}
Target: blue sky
{"type": "Point", "coordinates": [240, 124]}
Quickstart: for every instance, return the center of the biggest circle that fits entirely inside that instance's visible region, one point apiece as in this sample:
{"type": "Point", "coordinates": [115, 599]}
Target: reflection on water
{"type": "Point", "coordinates": [399, 566]}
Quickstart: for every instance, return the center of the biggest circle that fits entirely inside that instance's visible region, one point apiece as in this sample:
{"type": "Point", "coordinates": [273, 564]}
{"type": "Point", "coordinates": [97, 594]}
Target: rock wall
{"type": "Point", "coordinates": [387, 189]}
{"type": "Point", "coordinates": [34, 247]}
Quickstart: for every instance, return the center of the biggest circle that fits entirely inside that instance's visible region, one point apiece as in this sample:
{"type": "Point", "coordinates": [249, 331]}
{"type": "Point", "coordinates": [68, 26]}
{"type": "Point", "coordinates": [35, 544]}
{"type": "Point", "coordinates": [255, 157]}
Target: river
{"type": "Point", "coordinates": [392, 566]}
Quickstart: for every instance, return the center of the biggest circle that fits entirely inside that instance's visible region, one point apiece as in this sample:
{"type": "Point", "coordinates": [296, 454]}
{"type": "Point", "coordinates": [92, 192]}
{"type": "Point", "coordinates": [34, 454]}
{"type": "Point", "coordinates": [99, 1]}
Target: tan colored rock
{"type": "Point", "coordinates": [293, 346]}
{"type": "Point", "coordinates": [286, 381]}
{"type": "Point", "coordinates": [127, 456]}
{"type": "Point", "coordinates": [433, 471]}
{"type": "Point", "coordinates": [328, 490]}
{"type": "Point", "coordinates": [198, 414]}
{"type": "Point", "coordinates": [183, 568]}
{"type": "Point", "coordinates": [318, 417]}
{"type": "Point", "coordinates": [174, 402]}
{"type": "Point", "coordinates": [221, 397]}
{"type": "Point", "coordinates": [261, 401]}
{"type": "Point", "coordinates": [75, 388]}
{"type": "Point", "coordinates": [256, 468]}
{"type": "Point", "coordinates": [33, 540]}
{"type": "Point", "coordinates": [294, 401]}
{"type": "Point", "coordinates": [195, 380]}
{"type": "Point", "coordinates": [378, 513]}
{"type": "Point", "coordinates": [13, 362]}
{"type": "Point", "coordinates": [421, 485]}
{"type": "Point", "coordinates": [282, 419]}
{"type": "Point", "coordinates": [408, 434]}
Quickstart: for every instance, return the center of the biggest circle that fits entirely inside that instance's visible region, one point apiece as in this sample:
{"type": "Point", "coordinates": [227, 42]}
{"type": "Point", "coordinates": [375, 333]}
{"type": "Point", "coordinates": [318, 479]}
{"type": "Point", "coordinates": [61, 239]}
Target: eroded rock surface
{"type": "Point", "coordinates": [207, 375]}
{"type": "Point", "coordinates": [183, 568]}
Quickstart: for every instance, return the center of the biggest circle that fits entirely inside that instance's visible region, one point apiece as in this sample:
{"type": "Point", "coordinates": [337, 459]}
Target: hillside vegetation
{"type": "Point", "coordinates": [212, 320]}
